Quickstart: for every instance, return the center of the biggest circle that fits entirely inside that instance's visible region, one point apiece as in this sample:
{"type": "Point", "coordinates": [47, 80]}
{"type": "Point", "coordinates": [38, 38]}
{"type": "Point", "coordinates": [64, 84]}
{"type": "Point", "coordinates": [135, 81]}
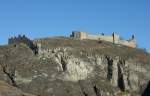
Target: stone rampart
{"type": "Point", "coordinates": [114, 38]}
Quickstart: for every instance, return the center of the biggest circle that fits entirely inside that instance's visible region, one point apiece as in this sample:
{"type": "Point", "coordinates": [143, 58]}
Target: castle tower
{"type": "Point", "coordinates": [79, 35]}
{"type": "Point", "coordinates": [113, 35]}
{"type": "Point", "coordinates": [133, 37]}
{"type": "Point", "coordinates": [115, 38]}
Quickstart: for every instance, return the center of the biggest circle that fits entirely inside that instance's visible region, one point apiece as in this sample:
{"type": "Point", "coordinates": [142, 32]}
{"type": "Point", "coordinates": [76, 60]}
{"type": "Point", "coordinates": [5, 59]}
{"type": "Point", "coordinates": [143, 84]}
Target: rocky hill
{"type": "Point", "coordinates": [68, 67]}
{"type": "Point", "coordinates": [8, 90]}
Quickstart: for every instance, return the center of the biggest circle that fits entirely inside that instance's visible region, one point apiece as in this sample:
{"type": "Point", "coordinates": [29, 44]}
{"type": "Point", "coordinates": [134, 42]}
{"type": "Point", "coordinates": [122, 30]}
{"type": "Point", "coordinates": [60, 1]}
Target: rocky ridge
{"type": "Point", "coordinates": [66, 67]}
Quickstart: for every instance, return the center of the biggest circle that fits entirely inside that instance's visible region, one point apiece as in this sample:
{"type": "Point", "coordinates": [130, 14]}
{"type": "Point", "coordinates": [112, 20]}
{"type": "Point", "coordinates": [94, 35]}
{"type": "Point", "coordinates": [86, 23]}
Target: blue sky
{"type": "Point", "coordinates": [45, 18]}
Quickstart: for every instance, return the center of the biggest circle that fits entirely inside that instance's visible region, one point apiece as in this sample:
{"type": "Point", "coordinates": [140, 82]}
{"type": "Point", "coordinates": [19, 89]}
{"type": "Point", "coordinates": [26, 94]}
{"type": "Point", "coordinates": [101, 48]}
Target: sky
{"type": "Point", "coordinates": [46, 18]}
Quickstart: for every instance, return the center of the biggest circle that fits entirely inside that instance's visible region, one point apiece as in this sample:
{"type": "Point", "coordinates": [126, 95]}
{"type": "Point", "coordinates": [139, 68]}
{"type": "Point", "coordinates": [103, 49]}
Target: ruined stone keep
{"type": "Point", "coordinates": [23, 40]}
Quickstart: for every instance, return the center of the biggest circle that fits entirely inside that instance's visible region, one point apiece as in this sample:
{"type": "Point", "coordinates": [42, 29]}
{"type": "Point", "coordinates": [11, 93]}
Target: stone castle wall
{"type": "Point", "coordinates": [105, 38]}
{"type": "Point", "coordinates": [130, 43]}
{"type": "Point", "coordinates": [23, 40]}
{"type": "Point", "coordinates": [115, 38]}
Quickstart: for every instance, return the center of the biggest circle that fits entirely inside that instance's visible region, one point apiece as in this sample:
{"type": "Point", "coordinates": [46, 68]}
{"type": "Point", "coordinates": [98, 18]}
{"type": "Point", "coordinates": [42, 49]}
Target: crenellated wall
{"type": "Point", "coordinates": [114, 38]}
{"type": "Point", "coordinates": [23, 40]}
{"type": "Point", "coordinates": [130, 43]}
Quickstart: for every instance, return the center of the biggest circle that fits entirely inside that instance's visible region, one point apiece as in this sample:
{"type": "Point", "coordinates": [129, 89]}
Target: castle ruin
{"type": "Point", "coordinates": [23, 40]}
{"type": "Point", "coordinates": [114, 38]}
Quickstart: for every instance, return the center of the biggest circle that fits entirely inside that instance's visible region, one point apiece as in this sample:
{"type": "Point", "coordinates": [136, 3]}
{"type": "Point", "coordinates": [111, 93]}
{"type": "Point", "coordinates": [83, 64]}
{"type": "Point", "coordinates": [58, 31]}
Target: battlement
{"type": "Point", "coordinates": [114, 38]}
{"type": "Point", "coordinates": [23, 40]}
{"type": "Point", "coordinates": [20, 39]}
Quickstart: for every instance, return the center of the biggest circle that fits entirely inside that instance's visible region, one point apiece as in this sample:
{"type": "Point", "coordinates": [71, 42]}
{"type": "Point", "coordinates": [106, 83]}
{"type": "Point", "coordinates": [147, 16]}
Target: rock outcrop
{"type": "Point", "coordinates": [8, 90]}
{"type": "Point", "coordinates": [81, 70]}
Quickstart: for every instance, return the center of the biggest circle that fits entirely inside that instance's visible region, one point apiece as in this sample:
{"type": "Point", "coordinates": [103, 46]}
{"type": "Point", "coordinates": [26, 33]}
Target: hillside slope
{"type": "Point", "coordinates": [67, 67]}
{"type": "Point", "coordinates": [8, 90]}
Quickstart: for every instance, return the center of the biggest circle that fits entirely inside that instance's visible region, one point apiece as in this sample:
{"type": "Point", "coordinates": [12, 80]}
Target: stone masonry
{"type": "Point", "coordinates": [114, 38]}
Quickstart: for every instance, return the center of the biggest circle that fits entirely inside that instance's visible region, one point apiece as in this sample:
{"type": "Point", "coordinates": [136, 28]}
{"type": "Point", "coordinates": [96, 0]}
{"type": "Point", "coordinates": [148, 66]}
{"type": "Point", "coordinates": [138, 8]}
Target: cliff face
{"type": "Point", "coordinates": [67, 67]}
